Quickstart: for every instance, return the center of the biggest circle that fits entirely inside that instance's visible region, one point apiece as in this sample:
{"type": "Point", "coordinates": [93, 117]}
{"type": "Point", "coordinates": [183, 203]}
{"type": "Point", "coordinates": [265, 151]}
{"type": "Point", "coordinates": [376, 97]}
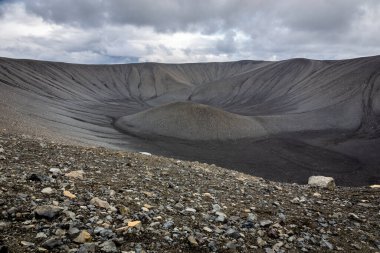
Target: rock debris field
{"type": "Point", "coordinates": [61, 198]}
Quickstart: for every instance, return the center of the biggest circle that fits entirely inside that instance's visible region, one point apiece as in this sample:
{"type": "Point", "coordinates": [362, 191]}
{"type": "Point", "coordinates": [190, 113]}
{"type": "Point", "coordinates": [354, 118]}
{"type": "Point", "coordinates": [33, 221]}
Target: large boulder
{"type": "Point", "coordinates": [323, 182]}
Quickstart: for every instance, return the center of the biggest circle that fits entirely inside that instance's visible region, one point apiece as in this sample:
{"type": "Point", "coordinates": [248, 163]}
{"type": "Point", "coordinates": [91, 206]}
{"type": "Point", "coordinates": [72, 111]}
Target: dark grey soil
{"type": "Point", "coordinates": [282, 158]}
{"type": "Point", "coordinates": [182, 206]}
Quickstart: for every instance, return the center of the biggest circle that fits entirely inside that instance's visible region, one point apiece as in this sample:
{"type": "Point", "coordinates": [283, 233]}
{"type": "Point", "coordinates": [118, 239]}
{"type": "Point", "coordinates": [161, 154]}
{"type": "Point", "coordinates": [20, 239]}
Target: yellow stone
{"type": "Point", "coordinates": [123, 209]}
{"type": "Point", "coordinates": [134, 224]}
{"type": "Point", "coordinates": [83, 237]}
{"type": "Point", "coordinates": [375, 186]}
{"type": "Point", "coordinates": [131, 224]}
{"type": "Point", "coordinates": [148, 206]}
{"type": "Point", "coordinates": [208, 195]}
{"type": "Point", "coordinates": [106, 225]}
{"type": "Point", "coordinates": [69, 194]}
{"type": "Point", "coordinates": [76, 174]}
{"type": "Point", "coordinates": [149, 194]}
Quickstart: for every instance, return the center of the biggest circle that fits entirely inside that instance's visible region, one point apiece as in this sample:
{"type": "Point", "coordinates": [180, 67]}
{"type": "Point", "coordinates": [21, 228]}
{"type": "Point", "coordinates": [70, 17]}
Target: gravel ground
{"type": "Point", "coordinates": [61, 198]}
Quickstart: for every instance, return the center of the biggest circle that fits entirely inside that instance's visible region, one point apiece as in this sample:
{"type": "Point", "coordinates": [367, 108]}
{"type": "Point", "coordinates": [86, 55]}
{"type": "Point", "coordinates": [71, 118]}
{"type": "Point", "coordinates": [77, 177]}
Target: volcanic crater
{"type": "Point", "coordinates": [282, 120]}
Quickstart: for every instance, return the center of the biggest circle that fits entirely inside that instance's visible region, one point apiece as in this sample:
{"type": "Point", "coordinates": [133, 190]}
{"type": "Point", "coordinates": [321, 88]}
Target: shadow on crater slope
{"type": "Point", "coordinates": [282, 120]}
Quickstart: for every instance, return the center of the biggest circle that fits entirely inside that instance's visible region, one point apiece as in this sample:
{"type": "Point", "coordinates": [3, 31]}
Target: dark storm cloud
{"type": "Point", "coordinates": [163, 15]}
{"type": "Point", "coordinates": [80, 13]}
{"type": "Point", "coordinates": [319, 15]}
{"type": "Point", "coordinates": [208, 16]}
{"type": "Point", "coordinates": [2, 7]}
{"type": "Point", "coordinates": [211, 29]}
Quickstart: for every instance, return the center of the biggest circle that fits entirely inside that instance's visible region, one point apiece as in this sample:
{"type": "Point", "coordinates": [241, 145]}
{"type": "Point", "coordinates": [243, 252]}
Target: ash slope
{"type": "Point", "coordinates": [281, 120]}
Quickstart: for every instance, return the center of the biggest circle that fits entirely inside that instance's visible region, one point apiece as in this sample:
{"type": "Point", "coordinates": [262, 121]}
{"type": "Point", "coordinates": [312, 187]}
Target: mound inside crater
{"type": "Point", "coordinates": [190, 121]}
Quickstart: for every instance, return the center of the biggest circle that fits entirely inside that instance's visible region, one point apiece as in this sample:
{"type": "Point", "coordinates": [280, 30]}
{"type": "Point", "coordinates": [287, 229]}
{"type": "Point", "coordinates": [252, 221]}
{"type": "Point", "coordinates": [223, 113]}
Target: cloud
{"type": "Point", "coordinates": [319, 16]}
{"type": "Point", "coordinates": [114, 31]}
{"type": "Point", "coordinates": [163, 15]}
{"type": "Point", "coordinates": [228, 43]}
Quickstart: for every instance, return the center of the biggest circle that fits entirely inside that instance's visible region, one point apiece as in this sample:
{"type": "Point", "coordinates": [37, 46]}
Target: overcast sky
{"type": "Point", "coordinates": [122, 31]}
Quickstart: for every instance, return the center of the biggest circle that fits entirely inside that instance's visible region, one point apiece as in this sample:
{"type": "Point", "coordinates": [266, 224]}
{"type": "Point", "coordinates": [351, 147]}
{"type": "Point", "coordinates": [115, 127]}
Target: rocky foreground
{"type": "Point", "coordinates": [61, 198]}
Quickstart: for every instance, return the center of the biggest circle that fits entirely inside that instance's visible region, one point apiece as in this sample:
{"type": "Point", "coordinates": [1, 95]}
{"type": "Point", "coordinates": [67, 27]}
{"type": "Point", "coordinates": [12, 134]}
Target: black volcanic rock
{"type": "Point", "coordinates": [47, 211]}
{"type": "Point", "coordinates": [3, 248]}
{"type": "Point", "coordinates": [257, 215]}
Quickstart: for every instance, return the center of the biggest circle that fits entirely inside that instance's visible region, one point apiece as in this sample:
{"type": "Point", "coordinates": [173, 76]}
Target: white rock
{"type": "Point", "coordinates": [27, 244]}
{"type": "Point", "coordinates": [220, 214]}
{"type": "Point", "coordinates": [190, 210]}
{"type": "Point", "coordinates": [4, 225]}
{"type": "Point", "coordinates": [354, 217]}
{"type": "Point", "coordinates": [145, 153]}
{"type": "Point", "coordinates": [41, 235]}
{"type": "Point", "coordinates": [55, 171]}
{"type": "Point", "coordinates": [323, 182]}
{"type": "Point", "coordinates": [277, 246]}
{"type": "Point", "coordinates": [47, 190]}
{"type": "Point", "coordinates": [260, 242]}
{"type": "Point", "coordinates": [192, 240]}
{"type": "Point", "coordinates": [207, 229]}
{"type": "Point", "coordinates": [100, 203]}
{"type": "Point", "coordinates": [221, 217]}
{"type": "Point", "coordinates": [295, 200]}
{"type": "Point", "coordinates": [216, 208]}
{"type": "Point", "coordinates": [208, 195]}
